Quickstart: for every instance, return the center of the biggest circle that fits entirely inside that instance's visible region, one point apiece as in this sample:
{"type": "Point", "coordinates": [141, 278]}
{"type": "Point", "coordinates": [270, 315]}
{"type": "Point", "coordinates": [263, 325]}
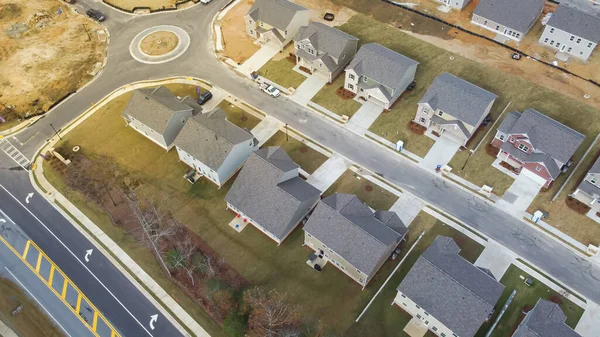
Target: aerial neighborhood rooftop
{"type": "Point", "coordinates": [307, 168]}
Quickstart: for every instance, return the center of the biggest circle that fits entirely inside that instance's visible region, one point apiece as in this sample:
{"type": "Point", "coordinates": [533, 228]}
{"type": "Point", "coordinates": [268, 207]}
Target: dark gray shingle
{"type": "Point", "coordinates": [515, 14]}
{"type": "Point", "coordinates": [325, 39]}
{"type": "Point", "coordinates": [585, 24]}
{"type": "Point", "coordinates": [154, 107]}
{"type": "Point", "coordinates": [277, 13]}
{"type": "Point", "coordinates": [546, 319]}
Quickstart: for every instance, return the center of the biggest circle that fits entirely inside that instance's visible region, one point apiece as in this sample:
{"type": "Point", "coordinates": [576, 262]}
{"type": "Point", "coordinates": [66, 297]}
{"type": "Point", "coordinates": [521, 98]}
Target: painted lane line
{"type": "Point", "coordinates": [88, 253]}
{"type": "Point", "coordinates": [39, 303]}
{"type": "Point", "coordinates": [75, 256]}
{"type": "Point", "coordinates": [28, 197]}
{"type": "Point", "coordinates": [153, 320]}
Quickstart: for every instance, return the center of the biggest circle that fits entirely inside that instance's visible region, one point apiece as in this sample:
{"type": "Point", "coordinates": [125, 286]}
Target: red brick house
{"type": "Point", "coordinates": [536, 145]}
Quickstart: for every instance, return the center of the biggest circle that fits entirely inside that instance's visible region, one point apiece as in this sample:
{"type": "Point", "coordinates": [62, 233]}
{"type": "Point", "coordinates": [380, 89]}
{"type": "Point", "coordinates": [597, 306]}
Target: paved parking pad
{"type": "Point", "coordinates": [440, 153]}
{"type": "Point", "coordinates": [308, 89]}
{"type": "Point", "coordinates": [58, 282]}
{"type": "Point", "coordinates": [407, 207]}
{"type": "Point", "coordinates": [72, 295]}
{"type": "Point", "coordinates": [329, 172]}
{"type": "Point", "coordinates": [32, 255]}
{"type": "Point", "coordinates": [495, 258]}
{"type": "Point", "coordinates": [519, 195]}
{"type": "Point", "coordinates": [86, 312]}
{"type": "Point", "coordinates": [364, 117]}
{"type": "Point", "coordinates": [45, 267]}
{"type": "Point", "coordinates": [266, 129]}
{"type": "Point", "coordinates": [259, 59]}
{"type": "Point", "coordinates": [102, 328]}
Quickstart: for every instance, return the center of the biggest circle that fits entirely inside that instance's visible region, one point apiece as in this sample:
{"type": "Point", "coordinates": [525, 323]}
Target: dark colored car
{"type": "Point", "coordinates": [329, 16]}
{"type": "Point", "coordinates": [69, 1]}
{"type": "Point", "coordinates": [487, 120]}
{"type": "Point", "coordinates": [95, 14]}
{"type": "Point", "coordinates": [205, 97]}
{"type": "Point", "coordinates": [411, 86]}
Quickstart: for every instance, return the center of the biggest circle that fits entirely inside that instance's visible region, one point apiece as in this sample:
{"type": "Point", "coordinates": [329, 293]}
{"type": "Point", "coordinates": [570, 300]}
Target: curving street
{"type": "Point", "coordinates": [99, 280]}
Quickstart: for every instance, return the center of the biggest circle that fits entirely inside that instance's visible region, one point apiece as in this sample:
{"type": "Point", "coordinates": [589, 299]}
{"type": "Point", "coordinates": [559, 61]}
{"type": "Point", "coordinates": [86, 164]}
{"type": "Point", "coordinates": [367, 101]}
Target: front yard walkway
{"type": "Point", "coordinates": [329, 172]}
{"type": "Point", "coordinates": [259, 59]}
{"type": "Point", "coordinates": [440, 153]}
{"type": "Point", "coordinates": [519, 195]}
{"type": "Point", "coordinates": [364, 117]}
{"type": "Point", "coordinates": [308, 89]}
{"type": "Point", "coordinates": [266, 129]}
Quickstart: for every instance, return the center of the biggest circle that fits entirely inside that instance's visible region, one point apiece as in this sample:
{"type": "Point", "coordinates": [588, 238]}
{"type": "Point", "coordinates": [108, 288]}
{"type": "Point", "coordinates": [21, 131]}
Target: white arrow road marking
{"type": "Point", "coordinates": [88, 253]}
{"type": "Point", "coordinates": [153, 320]}
{"type": "Point", "coordinates": [28, 197]}
{"type": "Point", "coordinates": [2, 221]}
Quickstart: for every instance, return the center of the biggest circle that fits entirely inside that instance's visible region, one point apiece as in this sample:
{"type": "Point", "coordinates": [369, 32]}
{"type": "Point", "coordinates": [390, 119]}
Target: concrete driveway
{"type": "Point", "coordinates": [519, 195]}
{"type": "Point", "coordinates": [259, 59]}
{"type": "Point", "coordinates": [364, 117]}
{"type": "Point", "coordinates": [308, 89]}
{"type": "Point", "coordinates": [440, 153]}
{"type": "Point", "coordinates": [266, 129]}
{"type": "Point", "coordinates": [329, 172]}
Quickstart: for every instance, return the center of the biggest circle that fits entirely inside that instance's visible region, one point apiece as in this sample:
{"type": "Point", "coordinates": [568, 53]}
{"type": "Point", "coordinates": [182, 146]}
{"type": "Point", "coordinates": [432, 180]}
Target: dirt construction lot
{"type": "Point", "coordinates": [44, 55]}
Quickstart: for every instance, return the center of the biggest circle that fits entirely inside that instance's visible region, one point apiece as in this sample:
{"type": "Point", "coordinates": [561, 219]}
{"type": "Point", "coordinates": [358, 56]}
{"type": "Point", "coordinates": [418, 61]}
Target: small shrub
{"type": "Point", "coordinates": [235, 325]}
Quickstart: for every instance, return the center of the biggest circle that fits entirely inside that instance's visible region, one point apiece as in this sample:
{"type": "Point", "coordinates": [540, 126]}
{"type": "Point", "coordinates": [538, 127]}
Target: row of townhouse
{"type": "Point", "coordinates": [573, 30]}
{"type": "Point", "coordinates": [442, 291]}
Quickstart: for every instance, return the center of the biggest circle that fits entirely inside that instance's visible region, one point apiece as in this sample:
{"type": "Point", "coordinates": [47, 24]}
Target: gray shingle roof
{"type": "Point", "coordinates": [154, 107]}
{"type": "Point", "coordinates": [515, 14]}
{"type": "Point", "coordinates": [509, 121]}
{"type": "Point", "coordinates": [548, 135]}
{"type": "Point", "coordinates": [262, 193]}
{"type": "Point", "coordinates": [349, 227]}
{"type": "Point", "coordinates": [381, 64]}
{"type": "Point", "coordinates": [546, 319]}
{"type": "Point", "coordinates": [459, 98]}
{"type": "Point", "coordinates": [596, 167]}
{"type": "Point", "coordinates": [325, 39]}
{"type": "Point", "coordinates": [585, 186]}
{"type": "Point", "coordinates": [277, 13]}
{"type": "Point", "coordinates": [210, 138]}
{"type": "Point", "coordinates": [451, 289]}
{"type": "Point", "coordinates": [577, 22]}
{"type": "Point", "coordinates": [533, 157]}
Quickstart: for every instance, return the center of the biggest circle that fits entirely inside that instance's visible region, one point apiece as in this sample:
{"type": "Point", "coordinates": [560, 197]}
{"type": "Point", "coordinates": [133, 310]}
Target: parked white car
{"type": "Point", "coordinates": [205, 2]}
{"type": "Point", "coordinates": [269, 89]}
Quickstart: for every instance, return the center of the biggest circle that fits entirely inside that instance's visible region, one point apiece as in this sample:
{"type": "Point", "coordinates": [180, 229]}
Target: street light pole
{"type": "Point", "coordinates": [55, 132]}
{"type": "Point", "coordinates": [466, 160]}
{"type": "Point", "coordinates": [287, 138]}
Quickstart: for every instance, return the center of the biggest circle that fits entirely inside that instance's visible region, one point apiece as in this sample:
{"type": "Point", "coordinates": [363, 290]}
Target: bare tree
{"type": "Point", "coordinates": [270, 315]}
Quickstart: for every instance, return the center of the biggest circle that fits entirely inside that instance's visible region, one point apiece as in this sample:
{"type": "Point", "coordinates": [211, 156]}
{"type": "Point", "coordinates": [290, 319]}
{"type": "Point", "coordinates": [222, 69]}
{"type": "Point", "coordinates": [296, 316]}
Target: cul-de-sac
{"type": "Point", "coordinates": [299, 168]}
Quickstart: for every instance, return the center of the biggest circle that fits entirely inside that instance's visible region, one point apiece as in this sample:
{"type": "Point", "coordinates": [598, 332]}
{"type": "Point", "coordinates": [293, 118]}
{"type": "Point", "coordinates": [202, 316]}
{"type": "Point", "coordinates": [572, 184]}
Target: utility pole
{"type": "Point", "coordinates": [466, 160]}
{"type": "Point", "coordinates": [55, 132]}
{"type": "Point", "coordinates": [287, 138]}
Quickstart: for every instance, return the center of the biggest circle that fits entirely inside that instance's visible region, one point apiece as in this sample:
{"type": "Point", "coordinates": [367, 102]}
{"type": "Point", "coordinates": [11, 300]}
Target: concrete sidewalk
{"type": "Point", "coordinates": [329, 172]}
{"type": "Point", "coordinates": [364, 117]}
{"type": "Point", "coordinates": [308, 89]}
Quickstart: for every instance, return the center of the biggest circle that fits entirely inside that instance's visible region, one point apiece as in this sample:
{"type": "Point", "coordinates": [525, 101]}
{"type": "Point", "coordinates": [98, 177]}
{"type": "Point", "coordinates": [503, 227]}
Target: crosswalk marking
{"type": "Point", "coordinates": [14, 154]}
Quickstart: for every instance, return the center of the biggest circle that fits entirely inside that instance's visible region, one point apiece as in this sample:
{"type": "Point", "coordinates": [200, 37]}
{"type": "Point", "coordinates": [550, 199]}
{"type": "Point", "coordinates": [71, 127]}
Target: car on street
{"type": "Point", "coordinates": [411, 86]}
{"type": "Point", "coordinates": [205, 2]}
{"type": "Point", "coordinates": [95, 14]}
{"type": "Point", "coordinates": [205, 97]}
{"type": "Point", "coordinates": [269, 89]}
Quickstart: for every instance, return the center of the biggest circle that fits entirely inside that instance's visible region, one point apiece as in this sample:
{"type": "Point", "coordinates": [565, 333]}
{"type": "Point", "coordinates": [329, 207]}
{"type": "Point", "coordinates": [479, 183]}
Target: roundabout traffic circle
{"type": "Point", "coordinates": [159, 44]}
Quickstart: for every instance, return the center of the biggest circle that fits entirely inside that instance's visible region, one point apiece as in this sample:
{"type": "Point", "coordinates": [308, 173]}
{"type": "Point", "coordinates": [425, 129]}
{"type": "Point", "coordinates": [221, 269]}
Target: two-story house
{"type": "Point", "coordinates": [346, 233]}
{"type": "Point", "coordinates": [546, 319]}
{"type": "Point", "coordinates": [454, 108]}
{"type": "Point", "coordinates": [213, 146]}
{"type": "Point", "coordinates": [158, 114]}
{"type": "Point", "coordinates": [588, 191]}
{"type": "Point", "coordinates": [574, 31]}
{"type": "Point", "coordinates": [275, 21]}
{"type": "Point", "coordinates": [446, 293]}
{"type": "Point", "coordinates": [324, 50]}
{"type": "Point", "coordinates": [536, 145]}
{"type": "Point", "coordinates": [379, 74]}
{"type": "Point", "coordinates": [270, 195]}
{"type": "Point", "coordinates": [456, 4]}
{"type": "Point", "coordinates": [510, 19]}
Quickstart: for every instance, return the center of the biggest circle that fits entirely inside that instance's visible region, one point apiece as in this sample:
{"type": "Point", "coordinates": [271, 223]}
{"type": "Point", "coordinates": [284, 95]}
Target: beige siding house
{"type": "Point", "coordinates": [270, 195]}
{"type": "Point", "coordinates": [446, 293]}
{"type": "Point", "coordinates": [346, 233]}
{"type": "Point", "coordinates": [588, 191]}
{"type": "Point", "coordinates": [454, 108]}
{"type": "Point", "coordinates": [324, 50]}
{"type": "Point", "coordinates": [275, 21]}
{"type": "Point", "coordinates": [213, 146]}
{"type": "Point", "coordinates": [158, 115]}
{"type": "Point", "coordinates": [379, 74]}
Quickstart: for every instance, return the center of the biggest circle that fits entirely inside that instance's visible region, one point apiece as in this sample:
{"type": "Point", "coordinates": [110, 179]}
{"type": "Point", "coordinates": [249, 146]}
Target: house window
{"type": "Point", "coordinates": [518, 35]}
{"type": "Point", "coordinates": [578, 40]}
{"type": "Point", "coordinates": [590, 45]}
{"type": "Point", "coordinates": [298, 46]}
{"type": "Point", "coordinates": [183, 121]}
{"type": "Point", "coordinates": [418, 307]}
{"type": "Point", "coordinates": [593, 180]}
{"type": "Point", "coordinates": [485, 22]}
{"type": "Point", "coordinates": [557, 44]}
{"type": "Point", "coordinates": [546, 40]}
{"type": "Point", "coordinates": [512, 139]}
{"type": "Point", "coordinates": [403, 295]}
{"type": "Point", "coordinates": [425, 111]}
{"type": "Point", "coordinates": [538, 168]}
{"type": "Point", "coordinates": [418, 316]}
{"type": "Point", "coordinates": [285, 32]}
{"type": "Point", "coordinates": [358, 271]}
{"type": "Point", "coordinates": [497, 27]}
{"type": "Point", "coordinates": [523, 147]}
{"type": "Point", "coordinates": [569, 49]}
{"type": "Point", "coordinates": [434, 328]}
{"type": "Point", "coordinates": [364, 78]}
{"type": "Point", "coordinates": [404, 304]}
{"type": "Point", "coordinates": [580, 53]}
{"type": "Point", "coordinates": [422, 120]}
{"type": "Point", "coordinates": [350, 86]}
{"type": "Point", "coordinates": [362, 281]}
{"type": "Point", "coordinates": [310, 236]}
{"type": "Point", "coordinates": [501, 137]}
{"type": "Point", "coordinates": [552, 42]}
{"type": "Point", "coordinates": [331, 251]}
{"type": "Point", "coordinates": [351, 76]}
{"type": "Point", "coordinates": [425, 312]}
{"type": "Point", "coordinates": [572, 38]}
{"type": "Point", "coordinates": [361, 89]}
{"type": "Point", "coordinates": [551, 30]}
{"type": "Point", "coordinates": [440, 113]}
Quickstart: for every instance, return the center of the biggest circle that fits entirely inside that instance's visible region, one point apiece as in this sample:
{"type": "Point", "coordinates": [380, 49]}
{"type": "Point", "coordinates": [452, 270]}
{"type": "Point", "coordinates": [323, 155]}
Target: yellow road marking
{"type": "Point", "coordinates": [78, 305]}
{"type": "Point", "coordinates": [26, 247]}
{"type": "Point", "coordinates": [62, 296]}
{"type": "Point", "coordinates": [51, 277]}
{"type": "Point", "coordinates": [39, 262]}
{"type": "Point", "coordinates": [95, 324]}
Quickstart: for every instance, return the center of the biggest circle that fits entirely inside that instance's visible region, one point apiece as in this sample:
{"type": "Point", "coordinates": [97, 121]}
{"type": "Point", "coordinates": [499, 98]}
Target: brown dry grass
{"type": "Point", "coordinates": [159, 43]}
{"type": "Point", "coordinates": [153, 4]}
{"type": "Point", "coordinates": [237, 45]}
{"type": "Point", "coordinates": [51, 58]}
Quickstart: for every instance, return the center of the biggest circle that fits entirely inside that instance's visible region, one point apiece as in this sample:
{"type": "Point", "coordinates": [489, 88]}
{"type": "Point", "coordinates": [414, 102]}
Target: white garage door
{"type": "Point", "coordinates": [533, 176]}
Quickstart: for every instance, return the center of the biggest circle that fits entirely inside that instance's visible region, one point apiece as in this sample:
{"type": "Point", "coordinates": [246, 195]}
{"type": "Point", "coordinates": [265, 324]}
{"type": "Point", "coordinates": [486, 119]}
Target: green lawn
{"type": "Point", "coordinates": [328, 99]}
{"type": "Point", "coordinates": [239, 116]}
{"type": "Point", "coordinates": [479, 170]}
{"type": "Point", "coordinates": [282, 73]}
{"type": "Point", "coordinates": [525, 296]}
{"type": "Point", "coordinates": [303, 155]}
{"type": "Point", "coordinates": [368, 192]}
{"type": "Point", "coordinates": [31, 321]}
{"type": "Point", "coordinates": [434, 61]}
